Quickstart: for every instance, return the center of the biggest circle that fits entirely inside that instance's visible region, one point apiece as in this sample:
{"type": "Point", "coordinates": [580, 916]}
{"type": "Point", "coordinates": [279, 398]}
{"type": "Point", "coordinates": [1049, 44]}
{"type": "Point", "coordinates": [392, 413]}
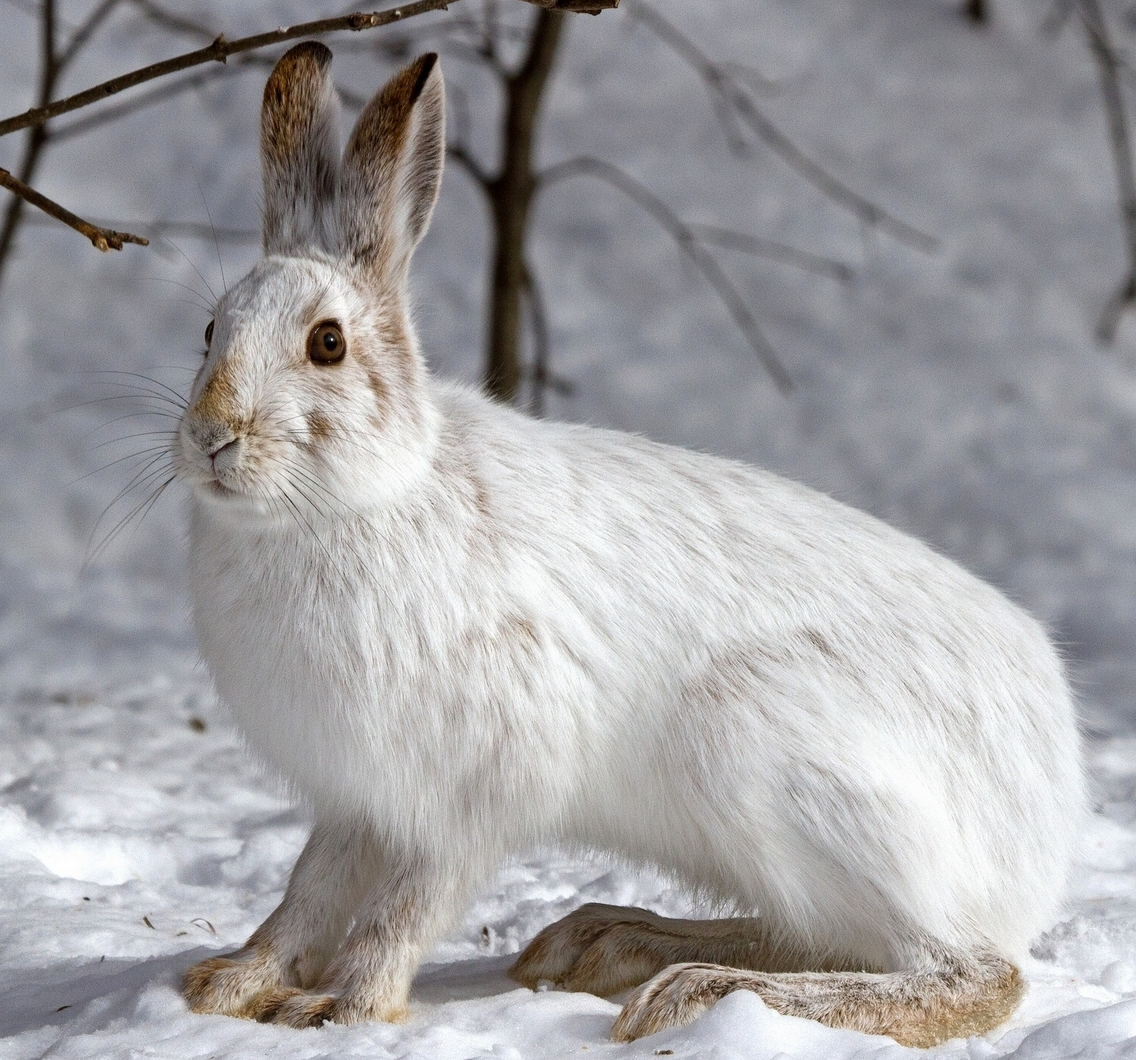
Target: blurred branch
{"type": "Point", "coordinates": [688, 242]}
{"type": "Point", "coordinates": [102, 238]}
{"type": "Point", "coordinates": [1108, 68]}
{"type": "Point", "coordinates": [157, 94]}
{"type": "Point", "coordinates": [86, 29]}
{"type": "Point", "coordinates": [977, 11]}
{"type": "Point", "coordinates": [459, 154]}
{"type": "Point", "coordinates": [774, 251]}
{"type": "Point", "coordinates": [540, 374]}
{"type": "Point", "coordinates": [732, 98]}
{"type": "Point", "coordinates": [50, 67]}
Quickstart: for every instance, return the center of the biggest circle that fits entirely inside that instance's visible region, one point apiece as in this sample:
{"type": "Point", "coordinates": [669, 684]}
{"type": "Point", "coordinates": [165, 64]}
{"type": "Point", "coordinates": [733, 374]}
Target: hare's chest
{"type": "Point", "coordinates": [296, 651]}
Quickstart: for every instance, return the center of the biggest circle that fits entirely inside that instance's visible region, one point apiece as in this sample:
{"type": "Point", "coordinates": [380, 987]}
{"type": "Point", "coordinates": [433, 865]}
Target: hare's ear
{"type": "Point", "coordinates": [392, 169]}
{"type": "Point", "coordinates": [299, 148]}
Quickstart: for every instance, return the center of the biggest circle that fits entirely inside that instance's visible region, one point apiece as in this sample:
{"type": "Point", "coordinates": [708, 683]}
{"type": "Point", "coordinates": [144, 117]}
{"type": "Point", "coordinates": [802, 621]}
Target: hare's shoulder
{"type": "Point", "coordinates": [611, 475]}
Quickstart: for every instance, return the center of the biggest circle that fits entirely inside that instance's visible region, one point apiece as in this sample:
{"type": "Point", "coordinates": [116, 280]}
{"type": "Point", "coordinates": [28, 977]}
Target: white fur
{"type": "Point", "coordinates": [459, 632]}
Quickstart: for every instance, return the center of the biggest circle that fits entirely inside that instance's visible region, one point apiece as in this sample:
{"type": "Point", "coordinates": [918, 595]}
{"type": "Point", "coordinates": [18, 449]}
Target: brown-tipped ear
{"type": "Point", "coordinates": [392, 168]}
{"type": "Point", "coordinates": [299, 148]}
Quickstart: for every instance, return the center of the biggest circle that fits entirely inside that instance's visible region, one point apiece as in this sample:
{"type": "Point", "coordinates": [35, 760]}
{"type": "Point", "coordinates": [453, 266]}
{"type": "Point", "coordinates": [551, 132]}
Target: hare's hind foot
{"type": "Point", "coordinates": [920, 1009]}
{"type": "Point", "coordinates": [603, 949]}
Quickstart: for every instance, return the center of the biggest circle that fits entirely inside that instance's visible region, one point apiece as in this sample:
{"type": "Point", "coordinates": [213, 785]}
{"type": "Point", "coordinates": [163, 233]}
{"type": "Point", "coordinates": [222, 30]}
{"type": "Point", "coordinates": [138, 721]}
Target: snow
{"type": "Point", "coordinates": [957, 394]}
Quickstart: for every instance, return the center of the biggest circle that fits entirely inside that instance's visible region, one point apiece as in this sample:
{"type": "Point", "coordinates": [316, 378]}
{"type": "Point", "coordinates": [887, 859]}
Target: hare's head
{"type": "Point", "coordinates": [311, 394]}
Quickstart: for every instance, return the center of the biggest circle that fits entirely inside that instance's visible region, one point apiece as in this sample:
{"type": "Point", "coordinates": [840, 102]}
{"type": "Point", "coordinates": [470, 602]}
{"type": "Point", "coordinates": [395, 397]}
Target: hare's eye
{"type": "Point", "coordinates": [326, 344]}
{"type": "Point", "coordinates": [208, 335]}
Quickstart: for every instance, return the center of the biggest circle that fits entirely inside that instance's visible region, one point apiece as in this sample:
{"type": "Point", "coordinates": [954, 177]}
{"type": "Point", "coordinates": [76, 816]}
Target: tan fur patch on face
{"type": "Point", "coordinates": [218, 401]}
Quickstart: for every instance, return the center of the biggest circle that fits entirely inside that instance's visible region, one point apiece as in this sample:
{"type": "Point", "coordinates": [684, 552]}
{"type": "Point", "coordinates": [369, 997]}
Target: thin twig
{"type": "Point", "coordinates": [587, 7]}
{"type": "Point", "coordinates": [218, 51]}
{"type": "Point", "coordinates": [102, 238]}
{"type": "Point", "coordinates": [688, 242]}
{"type": "Point", "coordinates": [190, 229]}
{"type": "Point", "coordinates": [731, 97]}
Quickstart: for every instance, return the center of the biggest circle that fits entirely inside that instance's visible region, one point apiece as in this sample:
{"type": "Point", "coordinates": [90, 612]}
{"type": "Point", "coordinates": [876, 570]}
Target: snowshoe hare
{"type": "Point", "coordinates": [459, 633]}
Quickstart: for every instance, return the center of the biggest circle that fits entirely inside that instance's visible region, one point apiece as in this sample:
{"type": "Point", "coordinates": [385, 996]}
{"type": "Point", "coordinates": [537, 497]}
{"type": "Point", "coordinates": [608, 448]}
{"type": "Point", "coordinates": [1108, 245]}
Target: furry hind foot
{"type": "Point", "coordinates": [604, 949]}
{"type": "Point", "coordinates": [233, 985]}
{"type": "Point", "coordinates": [919, 1009]}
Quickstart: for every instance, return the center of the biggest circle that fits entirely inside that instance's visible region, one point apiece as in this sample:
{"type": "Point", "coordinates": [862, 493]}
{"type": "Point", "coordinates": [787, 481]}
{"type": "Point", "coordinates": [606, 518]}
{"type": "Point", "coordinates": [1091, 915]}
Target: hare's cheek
{"type": "Point", "coordinates": [319, 425]}
{"type": "Point", "coordinates": [380, 397]}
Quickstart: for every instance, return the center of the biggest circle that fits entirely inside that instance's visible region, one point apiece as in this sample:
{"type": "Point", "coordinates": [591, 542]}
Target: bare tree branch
{"type": "Point", "coordinates": [588, 7]}
{"type": "Point", "coordinates": [170, 21]}
{"type": "Point", "coordinates": [218, 51]}
{"type": "Point", "coordinates": [538, 318]}
{"type": "Point", "coordinates": [157, 94]}
{"type": "Point", "coordinates": [731, 97]}
{"type": "Point", "coordinates": [102, 238]}
{"type": "Point", "coordinates": [977, 11]}
{"type": "Point", "coordinates": [34, 142]}
{"type": "Point", "coordinates": [770, 248]}
{"type": "Point", "coordinates": [158, 230]}
{"type": "Point", "coordinates": [688, 242]}
{"type": "Point", "coordinates": [1108, 68]}
{"type": "Point", "coordinates": [86, 29]}
{"type": "Point", "coordinates": [540, 374]}
{"type": "Point", "coordinates": [459, 154]}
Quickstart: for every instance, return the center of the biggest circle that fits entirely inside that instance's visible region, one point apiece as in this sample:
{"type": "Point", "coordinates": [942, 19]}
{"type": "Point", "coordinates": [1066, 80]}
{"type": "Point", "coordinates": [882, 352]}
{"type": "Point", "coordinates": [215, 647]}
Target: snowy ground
{"type": "Point", "coordinates": [958, 395]}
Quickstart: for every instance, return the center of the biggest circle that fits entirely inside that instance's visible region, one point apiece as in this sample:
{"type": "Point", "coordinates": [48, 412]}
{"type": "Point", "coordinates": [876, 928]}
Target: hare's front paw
{"type": "Point", "coordinates": [599, 949]}
{"type": "Point", "coordinates": [297, 1008]}
{"type": "Point", "coordinates": [232, 985]}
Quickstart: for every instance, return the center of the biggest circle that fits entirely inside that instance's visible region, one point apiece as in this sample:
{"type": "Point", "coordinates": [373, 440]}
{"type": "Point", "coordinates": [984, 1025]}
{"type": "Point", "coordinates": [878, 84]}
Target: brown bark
{"type": "Point", "coordinates": [510, 196]}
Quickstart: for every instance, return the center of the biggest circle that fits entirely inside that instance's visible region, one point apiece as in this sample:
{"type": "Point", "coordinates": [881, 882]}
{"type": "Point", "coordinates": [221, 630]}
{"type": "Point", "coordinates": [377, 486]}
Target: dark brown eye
{"type": "Point", "coordinates": [326, 344]}
{"type": "Point", "coordinates": [208, 335]}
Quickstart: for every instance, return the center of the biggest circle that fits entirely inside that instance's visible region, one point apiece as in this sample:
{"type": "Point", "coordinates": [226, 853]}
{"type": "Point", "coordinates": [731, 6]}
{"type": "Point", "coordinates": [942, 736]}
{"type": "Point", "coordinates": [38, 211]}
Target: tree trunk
{"type": "Point", "coordinates": [510, 195]}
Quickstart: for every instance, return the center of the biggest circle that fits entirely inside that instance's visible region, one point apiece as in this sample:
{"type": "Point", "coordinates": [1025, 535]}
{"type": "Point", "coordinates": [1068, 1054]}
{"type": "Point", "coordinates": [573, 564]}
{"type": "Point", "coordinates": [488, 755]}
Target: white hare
{"type": "Point", "coordinates": [459, 633]}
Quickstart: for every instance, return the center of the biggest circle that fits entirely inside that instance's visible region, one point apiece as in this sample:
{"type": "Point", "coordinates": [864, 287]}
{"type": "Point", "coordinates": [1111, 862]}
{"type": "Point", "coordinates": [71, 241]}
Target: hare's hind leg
{"type": "Point", "coordinates": [293, 946]}
{"type": "Point", "coordinates": [958, 998]}
{"type": "Point", "coordinates": [603, 949]}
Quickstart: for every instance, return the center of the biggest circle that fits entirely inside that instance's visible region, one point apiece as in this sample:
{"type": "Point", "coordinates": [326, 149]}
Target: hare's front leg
{"type": "Point", "coordinates": [415, 898]}
{"type": "Point", "coordinates": [294, 945]}
{"type": "Point", "coordinates": [604, 949]}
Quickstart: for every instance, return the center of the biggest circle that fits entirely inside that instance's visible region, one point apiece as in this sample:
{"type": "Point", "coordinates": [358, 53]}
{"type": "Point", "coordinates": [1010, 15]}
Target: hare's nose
{"type": "Point", "coordinates": [220, 448]}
